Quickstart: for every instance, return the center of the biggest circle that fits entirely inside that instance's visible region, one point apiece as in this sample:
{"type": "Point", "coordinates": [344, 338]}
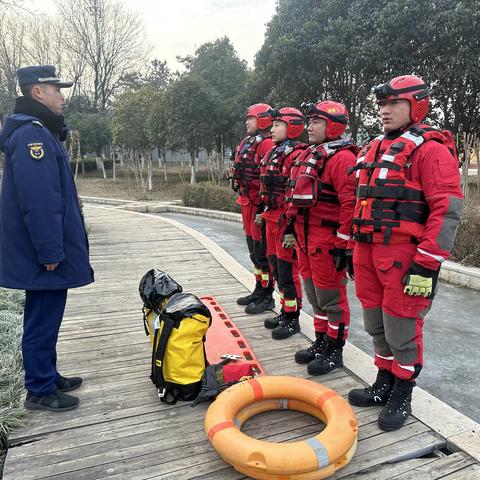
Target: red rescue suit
{"type": "Point", "coordinates": [274, 174]}
{"type": "Point", "coordinates": [408, 206]}
{"type": "Point", "coordinates": [246, 177]}
{"type": "Point", "coordinates": [321, 196]}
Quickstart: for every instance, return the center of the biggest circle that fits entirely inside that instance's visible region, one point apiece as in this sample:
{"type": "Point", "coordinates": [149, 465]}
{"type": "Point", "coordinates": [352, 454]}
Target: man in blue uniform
{"type": "Point", "coordinates": [43, 243]}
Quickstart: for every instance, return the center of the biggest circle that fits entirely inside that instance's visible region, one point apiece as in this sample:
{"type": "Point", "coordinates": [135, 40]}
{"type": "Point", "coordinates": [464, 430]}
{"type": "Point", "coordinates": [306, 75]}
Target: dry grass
{"type": "Point", "coordinates": [92, 185]}
{"type": "Point", "coordinates": [11, 370]}
{"type": "Point", "coordinates": [467, 241]}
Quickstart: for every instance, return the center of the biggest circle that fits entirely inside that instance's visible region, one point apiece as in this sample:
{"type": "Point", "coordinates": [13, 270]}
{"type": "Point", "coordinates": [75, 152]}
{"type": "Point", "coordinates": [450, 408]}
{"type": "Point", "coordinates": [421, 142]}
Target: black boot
{"type": "Point", "coordinates": [263, 303]}
{"type": "Point", "coordinates": [247, 300]}
{"type": "Point", "coordinates": [398, 407]}
{"type": "Point", "coordinates": [67, 384]}
{"type": "Point", "coordinates": [376, 394]}
{"type": "Point", "coordinates": [314, 350]}
{"type": "Point", "coordinates": [55, 402]}
{"type": "Point", "coordinates": [272, 323]}
{"type": "Point", "coordinates": [288, 327]}
{"type": "Point", "coordinates": [329, 360]}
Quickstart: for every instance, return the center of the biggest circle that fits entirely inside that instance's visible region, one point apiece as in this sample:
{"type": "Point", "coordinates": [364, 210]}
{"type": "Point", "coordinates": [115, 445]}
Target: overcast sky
{"type": "Point", "coordinates": [177, 27]}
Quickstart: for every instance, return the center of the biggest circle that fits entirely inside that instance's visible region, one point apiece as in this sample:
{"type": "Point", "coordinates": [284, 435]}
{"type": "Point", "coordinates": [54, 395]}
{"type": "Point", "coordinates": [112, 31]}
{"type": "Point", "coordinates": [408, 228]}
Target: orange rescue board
{"type": "Point", "coordinates": [224, 337]}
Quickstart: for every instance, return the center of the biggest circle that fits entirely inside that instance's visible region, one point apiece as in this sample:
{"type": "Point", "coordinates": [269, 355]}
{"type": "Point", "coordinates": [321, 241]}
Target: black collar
{"type": "Point", "coordinates": [55, 123]}
{"type": "Point", "coordinates": [396, 133]}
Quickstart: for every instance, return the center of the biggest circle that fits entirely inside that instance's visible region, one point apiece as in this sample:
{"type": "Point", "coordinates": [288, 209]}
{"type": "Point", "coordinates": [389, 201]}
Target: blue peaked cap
{"type": "Point", "coordinates": [40, 74]}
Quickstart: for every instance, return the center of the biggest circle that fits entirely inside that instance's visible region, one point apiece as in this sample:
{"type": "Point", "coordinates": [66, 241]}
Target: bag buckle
{"type": "Point", "coordinates": [162, 393]}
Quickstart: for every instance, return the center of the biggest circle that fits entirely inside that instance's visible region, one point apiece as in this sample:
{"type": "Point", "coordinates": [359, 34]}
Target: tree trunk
{"type": "Point", "coordinates": [477, 154]}
{"type": "Point", "coordinates": [466, 161]}
{"type": "Point", "coordinates": [164, 159]}
{"type": "Point", "coordinates": [221, 163]}
{"type": "Point", "coordinates": [193, 176]}
{"type": "Point", "coordinates": [150, 172]}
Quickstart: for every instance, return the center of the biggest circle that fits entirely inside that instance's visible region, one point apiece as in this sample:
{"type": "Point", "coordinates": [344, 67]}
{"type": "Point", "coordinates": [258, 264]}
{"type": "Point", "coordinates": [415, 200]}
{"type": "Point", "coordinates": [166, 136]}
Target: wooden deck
{"type": "Point", "coordinates": [121, 431]}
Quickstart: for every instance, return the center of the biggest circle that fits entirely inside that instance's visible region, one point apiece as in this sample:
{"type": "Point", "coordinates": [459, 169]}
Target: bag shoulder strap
{"type": "Point", "coordinates": [158, 354]}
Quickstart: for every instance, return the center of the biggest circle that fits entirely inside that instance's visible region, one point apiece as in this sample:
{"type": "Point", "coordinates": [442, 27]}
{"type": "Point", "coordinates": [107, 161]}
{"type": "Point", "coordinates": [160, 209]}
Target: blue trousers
{"type": "Point", "coordinates": [41, 322]}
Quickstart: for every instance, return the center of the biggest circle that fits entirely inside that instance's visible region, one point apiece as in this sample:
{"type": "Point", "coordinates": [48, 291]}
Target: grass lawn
{"type": "Point", "coordinates": [11, 370]}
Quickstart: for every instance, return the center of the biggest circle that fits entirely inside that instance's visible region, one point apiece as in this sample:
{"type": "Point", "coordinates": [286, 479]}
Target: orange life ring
{"type": "Point", "coordinates": [315, 458]}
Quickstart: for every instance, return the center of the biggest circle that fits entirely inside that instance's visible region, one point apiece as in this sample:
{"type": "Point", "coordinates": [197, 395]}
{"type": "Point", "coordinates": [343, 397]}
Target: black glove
{"type": "Point", "coordinates": [343, 259]}
{"type": "Point", "coordinates": [290, 228]}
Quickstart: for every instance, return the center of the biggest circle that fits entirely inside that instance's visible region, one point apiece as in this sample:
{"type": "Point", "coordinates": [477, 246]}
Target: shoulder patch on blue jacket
{"type": "Point", "coordinates": [36, 150]}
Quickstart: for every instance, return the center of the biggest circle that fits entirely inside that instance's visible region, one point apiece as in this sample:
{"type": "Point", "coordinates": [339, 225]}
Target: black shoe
{"type": "Point", "coordinates": [376, 394]}
{"type": "Point", "coordinates": [329, 360]}
{"type": "Point", "coordinates": [314, 350]}
{"type": "Point", "coordinates": [67, 384]}
{"type": "Point", "coordinates": [288, 327]}
{"type": "Point", "coordinates": [272, 323]}
{"type": "Point", "coordinates": [252, 297]}
{"type": "Point", "coordinates": [395, 413]}
{"type": "Point", "coordinates": [263, 303]}
{"type": "Point", "coordinates": [55, 402]}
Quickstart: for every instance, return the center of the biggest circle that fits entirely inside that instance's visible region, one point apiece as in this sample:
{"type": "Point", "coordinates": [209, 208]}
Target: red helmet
{"type": "Point", "coordinates": [260, 112]}
{"type": "Point", "coordinates": [294, 119]}
{"type": "Point", "coordinates": [335, 113]}
{"type": "Point", "coordinates": [408, 87]}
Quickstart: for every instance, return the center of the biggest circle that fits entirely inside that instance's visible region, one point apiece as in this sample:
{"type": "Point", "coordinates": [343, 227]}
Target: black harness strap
{"type": "Point", "coordinates": [368, 165]}
{"type": "Point", "coordinates": [145, 320]}
{"type": "Point", "coordinates": [400, 193]}
{"type": "Point", "coordinates": [158, 354]}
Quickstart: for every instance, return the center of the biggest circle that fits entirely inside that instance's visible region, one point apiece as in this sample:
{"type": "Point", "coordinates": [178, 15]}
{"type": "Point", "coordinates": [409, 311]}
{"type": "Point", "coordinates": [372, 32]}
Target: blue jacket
{"type": "Point", "coordinates": [40, 218]}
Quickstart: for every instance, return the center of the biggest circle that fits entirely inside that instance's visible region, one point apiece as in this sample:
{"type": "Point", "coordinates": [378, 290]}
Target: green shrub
{"type": "Point", "coordinates": [11, 370]}
{"type": "Point", "coordinates": [211, 196]}
{"type": "Point", "coordinates": [467, 241]}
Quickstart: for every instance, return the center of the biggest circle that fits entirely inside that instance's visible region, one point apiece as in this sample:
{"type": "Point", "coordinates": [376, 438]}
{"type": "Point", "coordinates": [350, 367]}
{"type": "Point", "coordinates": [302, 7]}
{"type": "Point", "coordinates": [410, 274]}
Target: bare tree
{"type": "Point", "coordinates": [109, 38]}
{"type": "Point", "coordinates": [45, 38]}
{"type": "Point", "coordinates": [14, 4]}
{"type": "Point", "coordinates": [12, 50]}
{"type": "Point", "coordinates": [469, 149]}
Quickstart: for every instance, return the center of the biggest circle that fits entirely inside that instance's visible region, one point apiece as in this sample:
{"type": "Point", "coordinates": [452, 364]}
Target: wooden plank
{"type": "Point", "coordinates": [121, 431]}
{"type": "Point", "coordinates": [440, 468]}
{"type": "Point", "coordinates": [469, 473]}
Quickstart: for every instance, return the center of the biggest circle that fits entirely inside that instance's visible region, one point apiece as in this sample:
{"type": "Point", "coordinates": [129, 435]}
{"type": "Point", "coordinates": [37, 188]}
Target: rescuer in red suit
{"type": "Point", "coordinates": [288, 125]}
{"type": "Point", "coordinates": [246, 181]}
{"type": "Point", "coordinates": [320, 203]}
{"type": "Point", "coordinates": [407, 210]}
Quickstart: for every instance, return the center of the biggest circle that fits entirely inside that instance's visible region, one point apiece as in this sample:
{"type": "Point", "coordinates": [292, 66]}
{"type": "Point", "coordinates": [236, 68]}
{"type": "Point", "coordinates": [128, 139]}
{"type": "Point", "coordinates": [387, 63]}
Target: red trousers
{"type": "Point", "coordinates": [393, 318]}
{"type": "Point", "coordinates": [284, 265]}
{"type": "Point", "coordinates": [249, 211]}
{"type": "Point", "coordinates": [325, 287]}
{"type": "Point", "coordinates": [256, 246]}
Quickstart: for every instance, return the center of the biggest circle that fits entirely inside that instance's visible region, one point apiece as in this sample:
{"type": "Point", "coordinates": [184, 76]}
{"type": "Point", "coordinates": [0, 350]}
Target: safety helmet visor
{"type": "Point", "coordinates": [385, 91]}
{"type": "Point", "coordinates": [311, 110]}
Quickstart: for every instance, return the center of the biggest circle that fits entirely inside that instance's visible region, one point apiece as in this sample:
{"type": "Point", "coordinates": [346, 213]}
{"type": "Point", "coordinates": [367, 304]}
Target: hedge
{"type": "Point", "coordinates": [211, 196]}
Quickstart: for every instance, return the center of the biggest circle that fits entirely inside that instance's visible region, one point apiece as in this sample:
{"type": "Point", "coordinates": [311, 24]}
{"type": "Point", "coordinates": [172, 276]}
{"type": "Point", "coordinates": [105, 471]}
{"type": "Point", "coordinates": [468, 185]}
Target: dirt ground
{"type": "Point", "coordinates": [93, 185]}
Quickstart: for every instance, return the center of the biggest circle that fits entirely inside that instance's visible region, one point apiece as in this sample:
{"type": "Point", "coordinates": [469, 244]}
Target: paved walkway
{"type": "Point", "coordinates": [122, 431]}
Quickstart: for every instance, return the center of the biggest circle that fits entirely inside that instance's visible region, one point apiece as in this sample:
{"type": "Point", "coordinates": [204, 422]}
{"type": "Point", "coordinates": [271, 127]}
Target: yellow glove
{"type": "Point", "coordinates": [420, 281]}
{"type": "Point", "coordinates": [418, 286]}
